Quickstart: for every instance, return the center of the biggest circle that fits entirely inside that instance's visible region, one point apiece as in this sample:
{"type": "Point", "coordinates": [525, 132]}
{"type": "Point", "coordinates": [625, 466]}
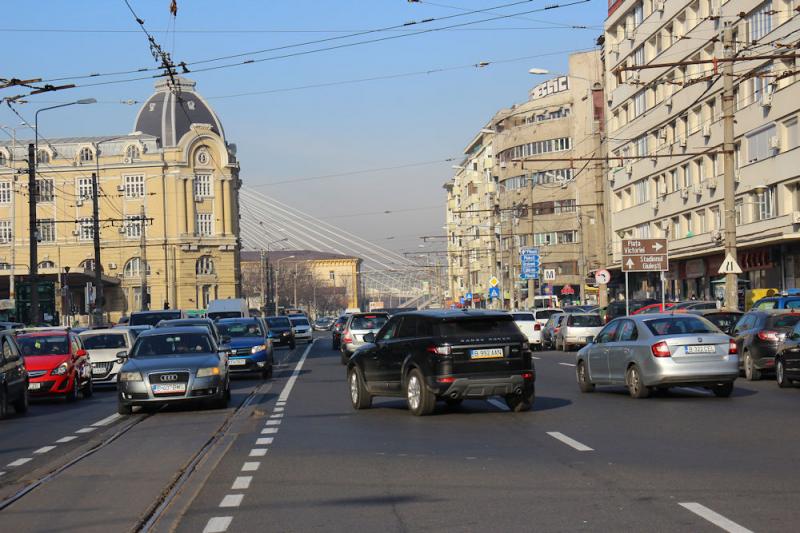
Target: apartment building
{"type": "Point", "coordinates": [665, 125]}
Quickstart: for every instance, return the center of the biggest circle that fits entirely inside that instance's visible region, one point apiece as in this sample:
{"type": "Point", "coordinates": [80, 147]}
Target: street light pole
{"type": "Point", "coordinates": [731, 279]}
{"type": "Point", "coordinates": [277, 266]}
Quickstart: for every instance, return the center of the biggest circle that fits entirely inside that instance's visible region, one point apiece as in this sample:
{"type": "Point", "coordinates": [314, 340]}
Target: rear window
{"type": "Point", "coordinates": [105, 341]}
{"type": "Point", "coordinates": [278, 322]}
{"type": "Point", "coordinates": [546, 313]}
{"type": "Point", "coordinates": [173, 344]}
{"type": "Point", "coordinates": [368, 322]}
{"type": "Point", "coordinates": [43, 345]}
{"type": "Point", "coordinates": [151, 319]}
{"type": "Point", "coordinates": [766, 304]}
{"type": "Point", "coordinates": [793, 304]}
{"type": "Point", "coordinates": [240, 329]}
{"type": "Point", "coordinates": [299, 321]}
{"type": "Point", "coordinates": [585, 321]}
{"type": "Point", "coordinates": [783, 321]}
{"type": "Point", "coordinates": [724, 321]}
{"type": "Point", "coordinates": [523, 317]}
{"type": "Point", "coordinates": [502, 325]}
{"type": "Point", "coordinates": [679, 326]}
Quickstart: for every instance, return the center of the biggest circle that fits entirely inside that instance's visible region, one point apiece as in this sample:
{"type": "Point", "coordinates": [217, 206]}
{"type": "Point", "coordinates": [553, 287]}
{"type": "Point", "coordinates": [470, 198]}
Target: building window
{"type": "Point", "coordinates": [134, 187]}
{"type": "Point", "coordinates": [133, 268]}
{"type": "Point", "coordinates": [46, 264]}
{"type": "Point", "coordinates": [701, 221]}
{"type": "Point", "coordinates": [642, 231]}
{"type": "Point", "coordinates": [332, 275]}
{"type": "Point", "coordinates": [641, 192]}
{"type": "Point", "coordinates": [758, 144]}
{"type": "Point", "coordinates": [6, 235]}
{"type": "Point", "coordinates": [687, 176]}
{"type": "Point", "coordinates": [86, 155]}
{"type": "Point", "coordinates": [42, 156]}
{"type": "Point", "coordinates": [133, 226]}
{"type": "Point", "coordinates": [206, 293]}
{"type": "Point", "coordinates": [204, 224]}
{"type": "Point", "coordinates": [85, 229]}
{"type": "Point", "coordinates": [639, 104]}
{"type": "Point", "coordinates": [676, 228]}
{"type": "Point", "coordinates": [762, 85]}
{"type": "Point", "coordinates": [85, 189]}
{"type": "Point", "coordinates": [739, 210]}
{"type": "Point", "coordinates": [5, 192]}
{"type": "Point", "coordinates": [640, 143]}
{"type": "Point", "coordinates": [87, 265]}
{"type": "Point", "coordinates": [44, 190]}
{"type": "Point", "coordinates": [46, 230]}
{"type": "Point", "coordinates": [5, 266]}
{"type": "Point", "coordinates": [759, 21]}
{"type": "Point", "coordinates": [567, 237]}
{"type": "Point", "coordinates": [132, 153]}
{"type": "Point", "coordinates": [205, 266]}
{"type": "Point", "coordinates": [765, 204]}
{"type": "Point", "coordinates": [716, 218]}
{"type": "Point", "coordinates": [790, 130]}
{"type": "Point", "coordinates": [202, 186]}
{"type": "Point", "coordinates": [561, 207]}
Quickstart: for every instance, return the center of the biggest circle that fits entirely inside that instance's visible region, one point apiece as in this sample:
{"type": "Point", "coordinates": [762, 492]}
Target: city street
{"type": "Point", "coordinates": [292, 455]}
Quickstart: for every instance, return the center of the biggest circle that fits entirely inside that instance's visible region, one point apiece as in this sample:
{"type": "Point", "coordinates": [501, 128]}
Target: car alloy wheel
{"type": "Point", "coordinates": [414, 391]}
{"type": "Point", "coordinates": [583, 378]}
{"type": "Point", "coordinates": [354, 388]}
{"type": "Point", "coordinates": [780, 374]}
{"type": "Point", "coordinates": [751, 373]}
{"type": "Point", "coordinates": [636, 388]}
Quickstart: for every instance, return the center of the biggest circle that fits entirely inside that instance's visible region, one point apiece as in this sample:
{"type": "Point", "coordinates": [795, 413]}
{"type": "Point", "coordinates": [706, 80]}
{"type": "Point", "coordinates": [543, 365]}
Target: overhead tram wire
{"type": "Point", "coordinates": [554, 25]}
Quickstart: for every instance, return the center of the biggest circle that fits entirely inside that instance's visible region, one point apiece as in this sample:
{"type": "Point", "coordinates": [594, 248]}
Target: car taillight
{"type": "Point", "coordinates": [527, 375]}
{"type": "Point", "coordinates": [347, 338]}
{"type": "Point", "coordinates": [537, 327]}
{"type": "Point", "coordinates": [732, 349]}
{"type": "Point", "coordinates": [556, 330]}
{"type": "Point", "coordinates": [445, 380]}
{"type": "Point", "coordinates": [440, 350]}
{"type": "Point", "coordinates": [660, 349]}
{"type": "Point", "coordinates": [769, 335]}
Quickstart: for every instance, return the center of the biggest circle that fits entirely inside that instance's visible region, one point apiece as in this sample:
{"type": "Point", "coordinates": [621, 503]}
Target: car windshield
{"type": "Point", "coordinates": [675, 325]}
{"type": "Point", "coordinates": [783, 321]}
{"type": "Point", "coordinates": [172, 344]}
{"type": "Point", "coordinates": [724, 321]}
{"type": "Point", "coordinates": [299, 321]}
{"type": "Point", "coordinates": [278, 322]}
{"type": "Point", "coordinates": [585, 321]}
{"type": "Point", "coordinates": [43, 345]}
{"type": "Point", "coordinates": [501, 325]}
{"type": "Point", "coordinates": [151, 319]}
{"type": "Point", "coordinates": [373, 322]}
{"type": "Point", "coordinates": [523, 317]}
{"type": "Point", "coordinates": [240, 329]}
{"type": "Point", "coordinates": [103, 341]}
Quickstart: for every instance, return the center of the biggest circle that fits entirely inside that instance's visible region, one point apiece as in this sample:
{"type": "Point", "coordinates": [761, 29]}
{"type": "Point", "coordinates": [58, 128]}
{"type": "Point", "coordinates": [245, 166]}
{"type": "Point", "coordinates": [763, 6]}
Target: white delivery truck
{"type": "Point", "coordinates": [230, 308]}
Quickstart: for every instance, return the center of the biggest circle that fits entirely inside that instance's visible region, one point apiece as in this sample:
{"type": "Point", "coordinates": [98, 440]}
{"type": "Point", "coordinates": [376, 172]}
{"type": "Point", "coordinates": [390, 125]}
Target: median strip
{"type": "Point", "coordinates": [715, 518]}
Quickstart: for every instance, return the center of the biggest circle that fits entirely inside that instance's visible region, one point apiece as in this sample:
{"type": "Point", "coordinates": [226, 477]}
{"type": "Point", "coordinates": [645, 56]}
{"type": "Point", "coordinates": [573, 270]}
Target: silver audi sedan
{"type": "Point", "coordinates": [173, 365]}
{"type": "Point", "coordinates": [657, 352]}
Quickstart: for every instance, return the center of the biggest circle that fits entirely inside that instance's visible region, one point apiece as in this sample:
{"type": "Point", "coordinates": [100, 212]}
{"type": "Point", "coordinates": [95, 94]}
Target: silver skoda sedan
{"type": "Point", "coordinates": [657, 352]}
{"type": "Point", "coordinates": [173, 365]}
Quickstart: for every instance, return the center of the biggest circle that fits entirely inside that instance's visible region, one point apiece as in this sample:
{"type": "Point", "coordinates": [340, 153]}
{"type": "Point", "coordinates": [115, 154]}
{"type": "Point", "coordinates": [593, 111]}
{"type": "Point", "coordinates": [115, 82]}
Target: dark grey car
{"type": "Point", "coordinates": [173, 365]}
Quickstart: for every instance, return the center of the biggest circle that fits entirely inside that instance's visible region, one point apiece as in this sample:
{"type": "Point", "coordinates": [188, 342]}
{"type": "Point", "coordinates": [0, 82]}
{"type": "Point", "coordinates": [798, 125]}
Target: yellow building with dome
{"type": "Point", "coordinates": [177, 167]}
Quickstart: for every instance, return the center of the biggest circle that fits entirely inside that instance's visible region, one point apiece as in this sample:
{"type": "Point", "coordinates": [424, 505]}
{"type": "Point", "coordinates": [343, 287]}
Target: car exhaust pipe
{"type": "Point", "coordinates": [518, 391]}
{"type": "Point", "coordinates": [454, 395]}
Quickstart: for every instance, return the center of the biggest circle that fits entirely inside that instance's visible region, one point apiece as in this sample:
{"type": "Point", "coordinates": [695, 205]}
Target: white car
{"type": "Point", "coordinates": [530, 327]}
{"type": "Point", "coordinates": [103, 346]}
{"type": "Point", "coordinates": [543, 315]}
{"type": "Point", "coordinates": [301, 327]}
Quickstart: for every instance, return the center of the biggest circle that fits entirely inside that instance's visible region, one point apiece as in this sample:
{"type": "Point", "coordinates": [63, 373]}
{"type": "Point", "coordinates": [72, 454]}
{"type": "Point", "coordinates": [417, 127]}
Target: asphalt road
{"type": "Point", "coordinates": [297, 457]}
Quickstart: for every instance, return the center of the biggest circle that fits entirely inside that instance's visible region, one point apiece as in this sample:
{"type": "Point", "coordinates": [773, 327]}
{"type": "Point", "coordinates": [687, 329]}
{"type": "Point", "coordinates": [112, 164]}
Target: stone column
{"type": "Point", "coordinates": [180, 199]}
{"type": "Point", "coordinates": [190, 207]}
{"type": "Point", "coordinates": [227, 206]}
{"type": "Point", "coordinates": [219, 206]}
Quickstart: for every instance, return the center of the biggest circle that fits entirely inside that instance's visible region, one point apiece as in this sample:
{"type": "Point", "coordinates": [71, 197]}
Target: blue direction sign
{"type": "Point", "coordinates": [531, 263]}
{"type": "Point", "coordinates": [494, 292]}
{"type": "Point", "coordinates": [468, 296]}
{"type": "Point", "coordinates": [461, 300]}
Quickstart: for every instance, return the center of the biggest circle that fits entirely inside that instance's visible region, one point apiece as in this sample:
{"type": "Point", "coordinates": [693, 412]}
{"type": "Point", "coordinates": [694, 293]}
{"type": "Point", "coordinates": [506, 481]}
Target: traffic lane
{"type": "Point", "coordinates": [113, 488]}
{"type": "Point", "coordinates": [689, 444]}
{"type": "Point", "coordinates": [473, 468]}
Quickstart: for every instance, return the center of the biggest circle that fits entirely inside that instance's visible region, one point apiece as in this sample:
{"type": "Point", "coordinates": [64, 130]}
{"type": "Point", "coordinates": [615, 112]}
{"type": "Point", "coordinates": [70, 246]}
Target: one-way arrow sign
{"type": "Point", "coordinates": [730, 266]}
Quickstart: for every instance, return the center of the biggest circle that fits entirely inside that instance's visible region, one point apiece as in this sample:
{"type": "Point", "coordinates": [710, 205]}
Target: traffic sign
{"type": "Point", "coordinates": [644, 255]}
{"type": "Point", "coordinates": [730, 266]}
{"type": "Point", "coordinates": [494, 292]}
{"type": "Point", "coordinates": [602, 277]}
{"type": "Point", "coordinates": [493, 281]}
{"type": "Point", "coordinates": [549, 274]}
{"type": "Point", "coordinates": [468, 296]}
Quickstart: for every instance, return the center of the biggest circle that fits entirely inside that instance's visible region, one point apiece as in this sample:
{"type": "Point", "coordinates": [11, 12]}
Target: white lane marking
{"type": "Point", "coordinates": [278, 409]}
{"type": "Point", "coordinates": [567, 364]}
{"type": "Point", "coordinates": [242, 483]}
{"type": "Point", "coordinates": [258, 452]}
{"type": "Point", "coordinates": [715, 518]}
{"type": "Point", "coordinates": [497, 403]}
{"type": "Point", "coordinates": [269, 431]}
{"type": "Point", "coordinates": [231, 500]}
{"type": "Point", "coordinates": [107, 420]}
{"type": "Point", "coordinates": [273, 422]}
{"type": "Point", "coordinates": [263, 441]}
{"type": "Point", "coordinates": [2, 473]}
{"type": "Point", "coordinates": [85, 430]}
{"type": "Point", "coordinates": [251, 466]}
{"type": "Point", "coordinates": [287, 389]}
{"type": "Point", "coordinates": [218, 524]}
{"type": "Point", "coordinates": [569, 441]}
{"type": "Point", "coordinates": [62, 440]}
{"type": "Point", "coordinates": [277, 415]}
{"type": "Point", "coordinates": [44, 449]}
{"type": "Point", "coordinates": [534, 357]}
{"type": "Point", "coordinates": [20, 462]}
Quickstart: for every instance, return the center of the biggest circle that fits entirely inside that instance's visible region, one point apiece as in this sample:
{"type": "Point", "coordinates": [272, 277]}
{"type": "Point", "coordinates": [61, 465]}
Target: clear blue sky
{"type": "Point", "coordinates": [317, 131]}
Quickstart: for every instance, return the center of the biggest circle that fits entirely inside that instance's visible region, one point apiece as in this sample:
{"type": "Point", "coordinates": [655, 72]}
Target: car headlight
{"type": "Point", "coordinates": [285, 334]}
{"type": "Point", "coordinates": [60, 370]}
{"type": "Point", "coordinates": [207, 372]}
{"type": "Point", "coordinates": [259, 348]}
{"type": "Point", "coordinates": [130, 376]}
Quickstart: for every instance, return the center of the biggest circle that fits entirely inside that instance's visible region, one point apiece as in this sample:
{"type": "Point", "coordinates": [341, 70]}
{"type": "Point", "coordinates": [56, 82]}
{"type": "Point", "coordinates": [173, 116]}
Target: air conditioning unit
{"type": "Point", "coordinates": [659, 5]}
{"type": "Point", "coordinates": [79, 202]}
{"type": "Point", "coordinates": [717, 236]}
{"type": "Point", "coordinates": [706, 130]}
{"type": "Point", "coordinates": [774, 143]}
{"type": "Point", "coordinates": [655, 203]}
{"type": "Point", "coordinates": [737, 177]}
{"type": "Point", "coordinates": [120, 188]}
{"type": "Point", "coordinates": [698, 189]}
{"type": "Point", "coordinates": [198, 199]}
{"type": "Point", "coordinates": [112, 266]}
{"type": "Point", "coordinates": [766, 99]}
{"type": "Point", "coordinates": [685, 194]}
{"type": "Point", "coordinates": [634, 76]}
{"type": "Point", "coordinates": [682, 142]}
{"type": "Point", "coordinates": [502, 164]}
{"type": "Point", "coordinates": [614, 49]}
{"type": "Point", "coordinates": [122, 230]}
{"type": "Point", "coordinates": [629, 169]}
{"type": "Point", "coordinates": [795, 217]}
{"type": "Point", "coordinates": [662, 134]}
{"type": "Point", "coordinates": [76, 232]}
{"type": "Point", "coordinates": [630, 30]}
{"type": "Point", "coordinates": [668, 101]}
{"type": "Point", "coordinates": [711, 183]}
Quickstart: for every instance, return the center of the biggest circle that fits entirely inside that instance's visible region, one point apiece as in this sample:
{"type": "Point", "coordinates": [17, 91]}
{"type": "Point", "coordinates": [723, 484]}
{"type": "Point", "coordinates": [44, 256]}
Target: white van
{"type": "Point", "coordinates": [545, 301]}
{"type": "Point", "coordinates": [230, 308]}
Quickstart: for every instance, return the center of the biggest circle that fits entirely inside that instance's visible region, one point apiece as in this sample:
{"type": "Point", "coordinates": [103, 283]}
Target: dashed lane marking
{"type": "Point", "coordinates": [242, 483]}
{"type": "Point", "coordinates": [218, 524]}
{"type": "Point", "coordinates": [715, 518]}
{"type": "Point", "coordinates": [273, 422]}
{"type": "Point", "coordinates": [497, 403]}
{"type": "Point", "coordinates": [62, 440]}
{"type": "Point", "coordinates": [567, 364]}
{"type": "Point", "coordinates": [44, 449]}
{"type": "Point", "coordinates": [251, 466]}
{"type": "Point", "coordinates": [269, 431]}
{"type": "Point", "coordinates": [277, 415]}
{"type": "Point", "coordinates": [258, 452]}
{"type": "Point", "coordinates": [231, 500]}
{"type": "Point", "coordinates": [278, 409]}
{"type": "Point", "coordinates": [20, 462]}
{"type": "Point", "coordinates": [106, 421]}
{"type": "Point", "coordinates": [570, 441]}
{"type": "Point", "coordinates": [86, 430]}
{"type": "Point", "coordinates": [263, 441]}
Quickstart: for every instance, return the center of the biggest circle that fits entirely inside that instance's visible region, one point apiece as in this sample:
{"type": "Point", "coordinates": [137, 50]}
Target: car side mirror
{"type": "Point", "coordinates": [369, 337]}
{"type": "Point", "coordinates": [225, 339]}
{"type": "Point", "coordinates": [590, 339]}
{"type": "Point", "coordinates": [122, 356]}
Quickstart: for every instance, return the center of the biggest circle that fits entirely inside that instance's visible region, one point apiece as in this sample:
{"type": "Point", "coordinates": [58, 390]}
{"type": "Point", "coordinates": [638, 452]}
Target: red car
{"type": "Point", "coordinates": [654, 308]}
{"type": "Point", "coordinates": [57, 364]}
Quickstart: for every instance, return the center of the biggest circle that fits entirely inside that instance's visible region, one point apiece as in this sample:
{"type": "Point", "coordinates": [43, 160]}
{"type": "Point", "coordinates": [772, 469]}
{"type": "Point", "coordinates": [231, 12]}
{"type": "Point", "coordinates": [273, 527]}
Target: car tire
{"type": "Point", "coordinates": [519, 403]}
{"type": "Point", "coordinates": [751, 373]}
{"type": "Point", "coordinates": [21, 405]}
{"type": "Point", "coordinates": [633, 380]}
{"type": "Point", "coordinates": [124, 409]}
{"type": "Point", "coordinates": [3, 404]}
{"type": "Point", "coordinates": [723, 390]}
{"type": "Point", "coordinates": [359, 397]}
{"type": "Point", "coordinates": [344, 358]}
{"type": "Point", "coordinates": [88, 389]}
{"type": "Point", "coordinates": [780, 374]}
{"type": "Point", "coordinates": [72, 395]}
{"type": "Point", "coordinates": [420, 400]}
{"type": "Point", "coordinates": [267, 373]}
{"type": "Point", "coordinates": [582, 374]}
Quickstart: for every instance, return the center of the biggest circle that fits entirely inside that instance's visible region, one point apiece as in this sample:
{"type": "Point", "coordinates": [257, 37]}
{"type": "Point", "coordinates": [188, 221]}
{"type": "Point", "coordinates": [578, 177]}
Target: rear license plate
{"type": "Point", "coordinates": [34, 386]}
{"type": "Point", "coordinates": [701, 349]}
{"type": "Point", "coordinates": [488, 353]}
{"type": "Point", "coordinates": [237, 362]}
{"type": "Point", "coordinates": [169, 388]}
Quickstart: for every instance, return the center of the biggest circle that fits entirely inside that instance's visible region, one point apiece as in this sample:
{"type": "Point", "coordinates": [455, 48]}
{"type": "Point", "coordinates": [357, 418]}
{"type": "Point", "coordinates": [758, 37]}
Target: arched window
{"type": "Point", "coordinates": [133, 268]}
{"type": "Point", "coordinates": [205, 266]}
{"type": "Point", "coordinates": [88, 264]}
{"type": "Point", "coordinates": [86, 155]}
{"type": "Point", "coordinates": [132, 153]}
{"type": "Point", "coordinates": [47, 264]}
{"type": "Point", "coordinates": [42, 156]}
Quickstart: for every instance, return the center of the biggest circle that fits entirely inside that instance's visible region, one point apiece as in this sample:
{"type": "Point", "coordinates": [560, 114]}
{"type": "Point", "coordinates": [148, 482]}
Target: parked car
{"type": "Point", "coordinates": [151, 318]}
{"type": "Point", "coordinates": [13, 376]}
{"type": "Point", "coordinates": [777, 302]}
{"type": "Point", "coordinates": [323, 324]}
{"type": "Point", "coordinates": [787, 359]}
{"type": "Point", "coordinates": [575, 329]}
{"type": "Point", "coordinates": [280, 331]}
{"type": "Point", "coordinates": [545, 301]}
{"type": "Point", "coordinates": [227, 308]}
{"type": "Point", "coordinates": [550, 330]}
{"type": "Point", "coordinates": [425, 356]}
{"type": "Point", "coordinates": [618, 308]}
{"type": "Point", "coordinates": [694, 304]}
{"type": "Point", "coordinates": [57, 364]}
{"type": "Point", "coordinates": [543, 315]}
{"type": "Point", "coordinates": [358, 325]}
{"type": "Point", "coordinates": [645, 352]}
{"type": "Point", "coordinates": [580, 309]}
{"type": "Point", "coordinates": [103, 345]}
{"type": "Point", "coordinates": [173, 365]}
{"type": "Point", "coordinates": [336, 331]}
{"type": "Point", "coordinates": [207, 323]}
{"type": "Point", "coordinates": [250, 347]}
{"type": "Point", "coordinates": [301, 327]}
{"type": "Point", "coordinates": [654, 309]}
{"type": "Point", "coordinates": [757, 336]}
{"type": "Point", "coordinates": [724, 319]}
{"type": "Point", "coordinates": [530, 327]}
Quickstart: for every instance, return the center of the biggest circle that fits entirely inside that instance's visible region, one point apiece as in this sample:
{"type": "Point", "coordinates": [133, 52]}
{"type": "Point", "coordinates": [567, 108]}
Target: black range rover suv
{"type": "Point", "coordinates": [426, 356]}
